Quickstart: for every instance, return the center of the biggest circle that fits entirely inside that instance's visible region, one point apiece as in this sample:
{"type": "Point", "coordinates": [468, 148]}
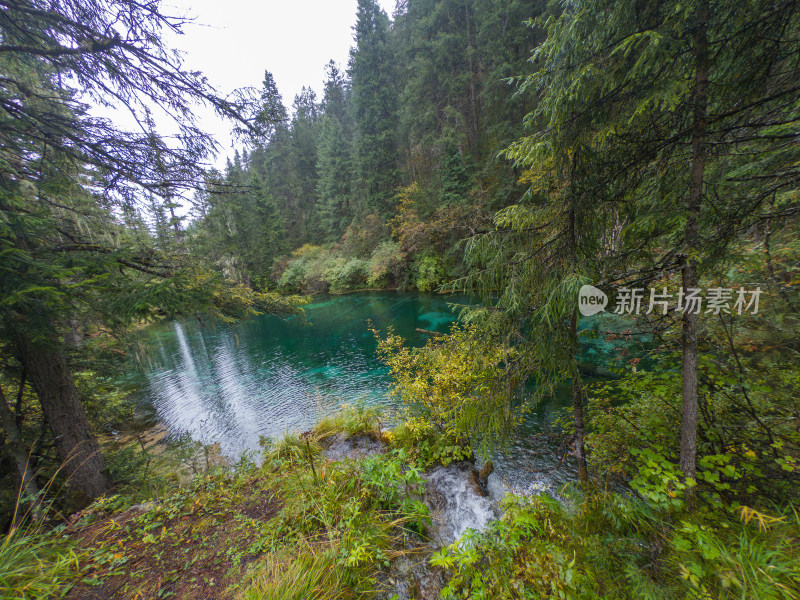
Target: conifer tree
{"type": "Point", "coordinates": [65, 177]}
{"type": "Point", "coordinates": [371, 72]}
{"type": "Point", "coordinates": [335, 157]}
{"type": "Point", "coordinates": [658, 114]}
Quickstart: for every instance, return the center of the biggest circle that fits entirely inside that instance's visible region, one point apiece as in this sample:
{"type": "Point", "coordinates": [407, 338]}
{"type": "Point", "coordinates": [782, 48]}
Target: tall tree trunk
{"type": "Point", "coordinates": [75, 443]}
{"type": "Point", "coordinates": [689, 412]}
{"type": "Point", "coordinates": [577, 388]}
{"type": "Point", "coordinates": [577, 410]}
{"type": "Point", "coordinates": [27, 481]}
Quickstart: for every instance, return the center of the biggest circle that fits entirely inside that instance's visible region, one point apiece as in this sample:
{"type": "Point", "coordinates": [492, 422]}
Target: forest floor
{"type": "Point", "coordinates": [195, 544]}
{"type": "Point", "coordinates": [325, 502]}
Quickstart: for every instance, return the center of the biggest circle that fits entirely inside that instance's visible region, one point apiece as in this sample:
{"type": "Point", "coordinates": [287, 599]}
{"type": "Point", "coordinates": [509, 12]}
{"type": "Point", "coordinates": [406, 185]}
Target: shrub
{"type": "Point", "coordinates": [428, 445]}
{"type": "Point", "coordinates": [293, 277]}
{"type": "Point", "coordinates": [747, 452]}
{"type": "Point", "coordinates": [385, 265]}
{"type": "Point", "coordinates": [342, 274]}
{"type": "Point", "coordinates": [316, 270]}
{"type": "Point", "coordinates": [599, 546]}
{"type": "Point", "coordinates": [303, 272]}
{"type": "Point", "coordinates": [456, 383]}
{"type": "Point", "coordinates": [429, 272]}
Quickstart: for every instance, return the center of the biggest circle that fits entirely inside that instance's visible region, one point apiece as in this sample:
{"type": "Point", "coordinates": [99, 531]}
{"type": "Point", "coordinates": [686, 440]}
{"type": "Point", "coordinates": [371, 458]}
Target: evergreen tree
{"type": "Point", "coordinates": [375, 109]}
{"type": "Point", "coordinates": [65, 178]}
{"type": "Point", "coordinates": [335, 158]}
{"type": "Point", "coordinates": [334, 169]}
{"type": "Point", "coordinates": [272, 113]}
{"type": "Point", "coordinates": [304, 135]}
{"type": "Point", "coordinates": [649, 111]}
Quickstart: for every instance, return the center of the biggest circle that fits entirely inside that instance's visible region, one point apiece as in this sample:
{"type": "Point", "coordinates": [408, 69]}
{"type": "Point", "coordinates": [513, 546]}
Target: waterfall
{"type": "Point", "coordinates": [457, 501]}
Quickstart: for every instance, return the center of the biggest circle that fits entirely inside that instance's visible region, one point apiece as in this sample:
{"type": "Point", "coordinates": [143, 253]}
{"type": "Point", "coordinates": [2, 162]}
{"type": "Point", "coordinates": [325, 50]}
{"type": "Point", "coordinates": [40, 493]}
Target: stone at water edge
{"type": "Point", "coordinates": [475, 482]}
{"type": "Point", "coordinates": [486, 470]}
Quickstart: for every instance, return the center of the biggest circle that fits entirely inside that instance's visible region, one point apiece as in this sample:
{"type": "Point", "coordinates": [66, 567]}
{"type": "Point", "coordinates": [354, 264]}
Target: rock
{"type": "Point", "coordinates": [413, 578]}
{"type": "Point", "coordinates": [341, 447]}
{"type": "Point", "coordinates": [475, 482]}
{"type": "Point", "coordinates": [486, 470]}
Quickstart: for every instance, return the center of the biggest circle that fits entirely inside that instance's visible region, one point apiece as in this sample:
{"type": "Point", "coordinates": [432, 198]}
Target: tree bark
{"type": "Point", "coordinates": [577, 412]}
{"type": "Point", "coordinates": [75, 443]}
{"type": "Point", "coordinates": [25, 475]}
{"type": "Point", "coordinates": [689, 411]}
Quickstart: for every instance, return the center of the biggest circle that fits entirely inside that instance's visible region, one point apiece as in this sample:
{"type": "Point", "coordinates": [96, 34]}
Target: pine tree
{"type": "Point", "coordinates": [335, 158]}
{"type": "Point", "coordinates": [374, 109]}
{"type": "Point", "coordinates": [652, 110]}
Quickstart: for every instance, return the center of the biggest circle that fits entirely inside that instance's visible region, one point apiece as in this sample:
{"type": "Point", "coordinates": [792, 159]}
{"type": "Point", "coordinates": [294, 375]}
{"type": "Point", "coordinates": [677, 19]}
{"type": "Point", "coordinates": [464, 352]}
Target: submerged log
{"type": "Point", "coordinates": [429, 332]}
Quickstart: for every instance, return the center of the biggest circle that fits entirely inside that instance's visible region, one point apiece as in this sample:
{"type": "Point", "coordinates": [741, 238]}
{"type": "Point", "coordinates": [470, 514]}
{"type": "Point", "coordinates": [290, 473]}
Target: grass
{"type": "Point", "coordinates": [300, 526]}
{"type": "Point", "coordinates": [296, 526]}
{"type": "Point", "coordinates": [310, 574]}
{"type": "Point", "coordinates": [34, 564]}
{"type": "Point", "coordinates": [352, 420]}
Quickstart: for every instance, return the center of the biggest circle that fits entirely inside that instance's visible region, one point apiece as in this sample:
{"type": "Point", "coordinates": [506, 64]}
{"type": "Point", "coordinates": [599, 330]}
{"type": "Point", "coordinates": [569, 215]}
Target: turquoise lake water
{"type": "Point", "coordinates": [267, 376]}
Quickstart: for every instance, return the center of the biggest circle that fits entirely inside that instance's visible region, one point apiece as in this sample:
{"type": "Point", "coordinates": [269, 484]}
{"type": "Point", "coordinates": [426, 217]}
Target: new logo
{"type": "Point", "coordinates": [591, 300]}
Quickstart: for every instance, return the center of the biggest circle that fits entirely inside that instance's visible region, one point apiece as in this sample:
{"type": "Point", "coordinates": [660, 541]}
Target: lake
{"type": "Point", "coordinates": [266, 376]}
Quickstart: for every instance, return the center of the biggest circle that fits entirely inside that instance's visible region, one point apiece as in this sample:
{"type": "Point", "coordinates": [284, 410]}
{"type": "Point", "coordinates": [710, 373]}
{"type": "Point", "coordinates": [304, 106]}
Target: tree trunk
{"type": "Point", "coordinates": [27, 481]}
{"type": "Point", "coordinates": [688, 448]}
{"type": "Point", "coordinates": [75, 443]}
{"type": "Point", "coordinates": [577, 411]}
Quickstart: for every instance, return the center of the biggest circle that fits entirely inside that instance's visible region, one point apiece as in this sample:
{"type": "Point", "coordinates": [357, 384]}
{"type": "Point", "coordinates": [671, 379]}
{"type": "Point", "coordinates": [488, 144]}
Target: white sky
{"type": "Point", "coordinates": [233, 41]}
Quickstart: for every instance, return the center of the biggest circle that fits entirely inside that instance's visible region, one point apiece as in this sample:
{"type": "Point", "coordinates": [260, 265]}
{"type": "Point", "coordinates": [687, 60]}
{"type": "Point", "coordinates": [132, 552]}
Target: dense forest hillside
{"type": "Point", "coordinates": [375, 183]}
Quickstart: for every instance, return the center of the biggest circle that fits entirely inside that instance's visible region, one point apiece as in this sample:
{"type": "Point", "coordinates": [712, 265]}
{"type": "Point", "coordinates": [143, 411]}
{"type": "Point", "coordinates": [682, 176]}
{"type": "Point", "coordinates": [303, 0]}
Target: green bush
{"type": "Point", "coordinates": [429, 272]}
{"type": "Point", "coordinates": [293, 278]}
{"type": "Point", "coordinates": [314, 269]}
{"type": "Point", "coordinates": [385, 265]}
{"type": "Point", "coordinates": [343, 274]}
{"type": "Point", "coordinates": [427, 445]}
{"type": "Point", "coordinates": [454, 384]}
{"type": "Point", "coordinates": [606, 545]}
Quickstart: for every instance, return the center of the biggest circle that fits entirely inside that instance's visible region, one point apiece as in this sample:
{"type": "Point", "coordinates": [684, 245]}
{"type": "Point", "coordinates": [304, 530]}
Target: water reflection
{"type": "Point", "coordinates": [269, 375]}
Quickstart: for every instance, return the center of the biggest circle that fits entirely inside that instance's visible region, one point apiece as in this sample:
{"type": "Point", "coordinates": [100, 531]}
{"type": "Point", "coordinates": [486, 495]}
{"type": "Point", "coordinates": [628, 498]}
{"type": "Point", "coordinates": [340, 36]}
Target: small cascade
{"type": "Point", "coordinates": [457, 501]}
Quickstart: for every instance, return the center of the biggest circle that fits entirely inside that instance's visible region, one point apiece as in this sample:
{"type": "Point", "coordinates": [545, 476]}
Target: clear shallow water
{"type": "Point", "coordinates": [267, 376]}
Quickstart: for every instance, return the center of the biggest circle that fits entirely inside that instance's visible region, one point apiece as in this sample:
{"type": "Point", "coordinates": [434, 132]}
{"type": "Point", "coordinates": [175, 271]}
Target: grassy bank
{"type": "Point", "coordinates": [302, 525]}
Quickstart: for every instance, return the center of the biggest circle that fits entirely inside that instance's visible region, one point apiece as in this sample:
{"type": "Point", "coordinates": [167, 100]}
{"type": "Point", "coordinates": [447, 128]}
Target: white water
{"type": "Point", "coordinates": [456, 502]}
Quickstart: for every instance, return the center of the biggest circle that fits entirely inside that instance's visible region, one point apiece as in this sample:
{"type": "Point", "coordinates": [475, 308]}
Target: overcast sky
{"type": "Point", "coordinates": [233, 41]}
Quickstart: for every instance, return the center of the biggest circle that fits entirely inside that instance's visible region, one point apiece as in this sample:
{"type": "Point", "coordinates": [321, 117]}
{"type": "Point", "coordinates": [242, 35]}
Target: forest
{"type": "Point", "coordinates": [514, 152]}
